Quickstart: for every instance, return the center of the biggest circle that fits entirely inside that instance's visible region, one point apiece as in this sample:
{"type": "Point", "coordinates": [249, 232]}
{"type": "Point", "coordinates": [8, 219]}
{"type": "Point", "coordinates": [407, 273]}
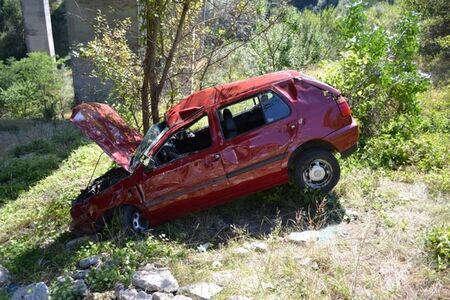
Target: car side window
{"type": "Point", "coordinates": [273, 107]}
{"type": "Point", "coordinates": [253, 112]}
{"type": "Point", "coordinates": [194, 137]}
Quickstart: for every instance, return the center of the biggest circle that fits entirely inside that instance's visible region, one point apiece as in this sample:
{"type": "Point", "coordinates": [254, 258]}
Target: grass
{"type": "Point", "coordinates": [389, 251]}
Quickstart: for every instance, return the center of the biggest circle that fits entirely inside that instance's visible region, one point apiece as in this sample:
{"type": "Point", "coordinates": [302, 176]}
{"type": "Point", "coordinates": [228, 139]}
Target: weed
{"type": "Point", "coordinates": [437, 244]}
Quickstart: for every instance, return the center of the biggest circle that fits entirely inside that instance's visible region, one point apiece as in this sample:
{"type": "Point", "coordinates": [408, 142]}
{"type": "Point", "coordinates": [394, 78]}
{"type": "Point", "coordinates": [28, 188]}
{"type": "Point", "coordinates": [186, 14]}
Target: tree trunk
{"type": "Point", "coordinates": [144, 101]}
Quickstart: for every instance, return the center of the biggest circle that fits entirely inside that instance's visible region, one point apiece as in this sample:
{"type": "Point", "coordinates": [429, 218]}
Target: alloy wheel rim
{"type": "Point", "coordinates": [318, 174]}
{"type": "Point", "coordinates": [138, 222]}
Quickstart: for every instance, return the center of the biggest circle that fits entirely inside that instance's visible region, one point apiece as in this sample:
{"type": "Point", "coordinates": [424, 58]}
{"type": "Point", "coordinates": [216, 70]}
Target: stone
{"type": "Point", "coordinates": [181, 297]}
{"type": "Point", "coordinates": [89, 261]}
{"type": "Point", "coordinates": [34, 291]}
{"type": "Point", "coordinates": [162, 296]}
{"type": "Point", "coordinates": [303, 236]}
{"type": "Point", "coordinates": [80, 274]}
{"type": "Point", "coordinates": [330, 233]}
{"type": "Point", "coordinates": [239, 297]}
{"type": "Point", "coordinates": [240, 251]}
{"type": "Point", "coordinates": [201, 290]}
{"type": "Point", "coordinates": [72, 244]}
{"type": "Point", "coordinates": [4, 276]}
{"type": "Point", "coordinates": [222, 277]}
{"type": "Point", "coordinates": [133, 294]}
{"type": "Point", "coordinates": [306, 261]}
{"type": "Point", "coordinates": [204, 247]}
{"type": "Point", "coordinates": [154, 279]}
{"type": "Point", "coordinates": [259, 246]}
{"type": "Point", "coordinates": [80, 288]}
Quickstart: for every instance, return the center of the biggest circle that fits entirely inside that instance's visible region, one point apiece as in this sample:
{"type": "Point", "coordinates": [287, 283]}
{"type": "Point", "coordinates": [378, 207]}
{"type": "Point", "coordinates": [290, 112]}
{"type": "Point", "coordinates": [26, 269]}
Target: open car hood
{"type": "Point", "coordinates": [104, 126]}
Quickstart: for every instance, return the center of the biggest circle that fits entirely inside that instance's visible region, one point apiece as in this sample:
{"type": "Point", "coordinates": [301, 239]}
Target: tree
{"type": "Point", "coordinates": [12, 37]}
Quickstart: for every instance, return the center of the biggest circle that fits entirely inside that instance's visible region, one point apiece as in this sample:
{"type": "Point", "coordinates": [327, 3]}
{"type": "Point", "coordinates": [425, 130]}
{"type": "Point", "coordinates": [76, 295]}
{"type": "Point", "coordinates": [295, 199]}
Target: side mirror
{"type": "Point", "coordinates": [149, 164]}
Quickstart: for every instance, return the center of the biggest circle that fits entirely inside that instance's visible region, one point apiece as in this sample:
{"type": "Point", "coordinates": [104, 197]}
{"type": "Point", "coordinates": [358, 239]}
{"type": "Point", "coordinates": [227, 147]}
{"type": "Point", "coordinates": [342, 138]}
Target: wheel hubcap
{"type": "Point", "coordinates": [318, 174]}
{"type": "Point", "coordinates": [138, 222]}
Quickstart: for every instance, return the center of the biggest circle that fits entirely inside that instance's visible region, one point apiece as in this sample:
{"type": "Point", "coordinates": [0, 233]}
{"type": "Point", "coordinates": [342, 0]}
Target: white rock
{"type": "Point", "coordinates": [155, 280]}
{"type": "Point", "coordinates": [222, 277]}
{"type": "Point", "coordinates": [204, 247]}
{"type": "Point", "coordinates": [306, 261]}
{"type": "Point", "coordinates": [162, 296]}
{"type": "Point", "coordinates": [133, 294]}
{"type": "Point", "coordinates": [35, 291]}
{"type": "Point", "coordinates": [240, 250]}
{"type": "Point", "coordinates": [303, 236]}
{"type": "Point", "coordinates": [181, 297]}
{"type": "Point", "coordinates": [89, 261]}
{"type": "Point", "coordinates": [202, 290]}
{"type": "Point", "coordinates": [259, 246]}
{"type": "Point", "coordinates": [4, 276]}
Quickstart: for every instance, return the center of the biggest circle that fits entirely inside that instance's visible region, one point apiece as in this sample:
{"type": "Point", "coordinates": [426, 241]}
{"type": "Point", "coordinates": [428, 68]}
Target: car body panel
{"type": "Point", "coordinates": [103, 125]}
{"type": "Point", "coordinates": [229, 168]}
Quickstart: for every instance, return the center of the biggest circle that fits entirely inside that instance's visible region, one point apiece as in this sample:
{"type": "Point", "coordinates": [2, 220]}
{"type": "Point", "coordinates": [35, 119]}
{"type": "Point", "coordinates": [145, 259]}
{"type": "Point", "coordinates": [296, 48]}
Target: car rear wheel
{"type": "Point", "coordinates": [133, 221]}
{"type": "Point", "coordinates": [316, 169]}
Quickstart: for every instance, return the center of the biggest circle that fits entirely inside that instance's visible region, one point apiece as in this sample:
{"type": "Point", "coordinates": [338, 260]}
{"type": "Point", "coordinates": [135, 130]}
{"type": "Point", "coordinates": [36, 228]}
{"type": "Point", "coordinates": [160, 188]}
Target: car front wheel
{"type": "Point", "coordinates": [316, 169]}
{"type": "Point", "coordinates": [133, 221]}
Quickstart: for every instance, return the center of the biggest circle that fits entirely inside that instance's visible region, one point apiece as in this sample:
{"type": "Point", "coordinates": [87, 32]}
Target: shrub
{"type": "Point", "coordinates": [31, 87]}
{"type": "Point", "coordinates": [437, 244]}
{"type": "Point", "coordinates": [377, 71]}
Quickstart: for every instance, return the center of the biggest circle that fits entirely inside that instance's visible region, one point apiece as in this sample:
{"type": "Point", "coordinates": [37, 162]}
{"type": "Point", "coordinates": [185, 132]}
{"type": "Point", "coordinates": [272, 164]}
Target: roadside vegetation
{"type": "Point", "coordinates": [388, 219]}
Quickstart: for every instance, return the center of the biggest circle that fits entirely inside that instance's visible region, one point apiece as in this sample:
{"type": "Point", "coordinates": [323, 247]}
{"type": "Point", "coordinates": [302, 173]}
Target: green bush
{"type": "Point", "coordinates": [377, 70]}
{"type": "Point", "coordinates": [31, 87]}
{"type": "Point", "coordinates": [437, 244]}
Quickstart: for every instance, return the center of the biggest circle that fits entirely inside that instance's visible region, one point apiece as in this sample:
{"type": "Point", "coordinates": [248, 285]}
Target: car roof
{"type": "Point", "coordinates": [219, 94]}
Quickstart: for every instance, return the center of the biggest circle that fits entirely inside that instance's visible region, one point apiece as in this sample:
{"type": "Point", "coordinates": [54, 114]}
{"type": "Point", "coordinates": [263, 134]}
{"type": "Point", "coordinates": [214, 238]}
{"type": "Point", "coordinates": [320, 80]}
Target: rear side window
{"type": "Point", "coordinates": [253, 112]}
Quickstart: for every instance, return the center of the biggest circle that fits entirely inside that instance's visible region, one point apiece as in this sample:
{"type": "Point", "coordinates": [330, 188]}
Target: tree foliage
{"type": "Point", "coordinates": [12, 38]}
{"type": "Point", "coordinates": [435, 37]}
{"type": "Point", "coordinates": [377, 70]}
{"type": "Point", "coordinates": [115, 62]}
{"type": "Point", "coordinates": [31, 87]}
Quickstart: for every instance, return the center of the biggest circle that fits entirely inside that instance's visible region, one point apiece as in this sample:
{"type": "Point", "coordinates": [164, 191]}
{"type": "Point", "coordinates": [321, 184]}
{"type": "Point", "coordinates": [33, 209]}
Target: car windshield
{"type": "Point", "coordinates": [153, 135]}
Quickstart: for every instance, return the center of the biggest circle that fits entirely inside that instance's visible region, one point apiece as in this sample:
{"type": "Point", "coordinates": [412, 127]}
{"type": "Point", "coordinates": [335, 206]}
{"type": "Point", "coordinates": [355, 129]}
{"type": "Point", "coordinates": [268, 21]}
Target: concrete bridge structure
{"type": "Point", "coordinates": [80, 15]}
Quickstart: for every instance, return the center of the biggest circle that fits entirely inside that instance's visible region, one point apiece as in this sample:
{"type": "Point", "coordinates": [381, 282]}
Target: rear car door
{"type": "Point", "coordinates": [257, 131]}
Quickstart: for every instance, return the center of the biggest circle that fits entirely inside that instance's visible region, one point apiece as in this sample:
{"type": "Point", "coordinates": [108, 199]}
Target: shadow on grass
{"type": "Point", "coordinates": [284, 208]}
{"type": "Point", "coordinates": [32, 150]}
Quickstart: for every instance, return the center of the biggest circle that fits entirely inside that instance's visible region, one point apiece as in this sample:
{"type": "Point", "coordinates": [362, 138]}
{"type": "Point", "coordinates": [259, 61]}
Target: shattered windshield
{"type": "Point", "coordinates": [153, 135]}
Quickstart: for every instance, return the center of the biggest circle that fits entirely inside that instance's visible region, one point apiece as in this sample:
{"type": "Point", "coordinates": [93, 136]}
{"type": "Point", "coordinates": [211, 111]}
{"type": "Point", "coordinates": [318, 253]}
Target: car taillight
{"type": "Point", "coordinates": [343, 106]}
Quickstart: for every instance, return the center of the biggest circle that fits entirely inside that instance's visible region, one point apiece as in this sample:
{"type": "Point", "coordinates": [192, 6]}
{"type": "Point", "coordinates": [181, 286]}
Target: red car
{"type": "Point", "coordinates": [216, 145]}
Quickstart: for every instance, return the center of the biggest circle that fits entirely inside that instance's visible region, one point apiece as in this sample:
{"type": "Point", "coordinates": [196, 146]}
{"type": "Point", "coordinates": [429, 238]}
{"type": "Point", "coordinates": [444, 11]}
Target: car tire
{"type": "Point", "coordinates": [316, 169]}
{"type": "Point", "coordinates": [132, 220]}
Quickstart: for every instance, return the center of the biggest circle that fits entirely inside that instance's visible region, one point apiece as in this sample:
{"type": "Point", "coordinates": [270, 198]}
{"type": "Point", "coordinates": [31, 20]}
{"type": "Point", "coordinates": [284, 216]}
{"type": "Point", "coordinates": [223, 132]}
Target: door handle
{"type": "Point", "coordinates": [292, 126]}
{"type": "Point", "coordinates": [216, 157]}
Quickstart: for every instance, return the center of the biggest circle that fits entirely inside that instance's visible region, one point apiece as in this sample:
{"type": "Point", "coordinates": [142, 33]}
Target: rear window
{"type": "Point", "coordinates": [252, 112]}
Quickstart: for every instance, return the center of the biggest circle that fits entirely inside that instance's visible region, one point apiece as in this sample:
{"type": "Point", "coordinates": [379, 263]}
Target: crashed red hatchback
{"type": "Point", "coordinates": [216, 145]}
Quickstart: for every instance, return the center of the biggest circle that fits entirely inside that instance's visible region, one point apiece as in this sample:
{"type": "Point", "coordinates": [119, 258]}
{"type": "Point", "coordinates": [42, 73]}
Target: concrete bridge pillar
{"type": "Point", "coordinates": [38, 26]}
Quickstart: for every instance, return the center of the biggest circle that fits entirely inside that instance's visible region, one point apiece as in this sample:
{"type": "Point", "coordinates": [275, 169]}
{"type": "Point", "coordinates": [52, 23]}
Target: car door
{"type": "Point", "coordinates": [257, 137]}
{"type": "Point", "coordinates": [184, 182]}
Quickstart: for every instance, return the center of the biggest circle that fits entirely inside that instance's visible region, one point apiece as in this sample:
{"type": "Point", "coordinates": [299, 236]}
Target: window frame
{"type": "Point", "coordinates": [262, 109]}
{"type": "Point", "coordinates": [189, 153]}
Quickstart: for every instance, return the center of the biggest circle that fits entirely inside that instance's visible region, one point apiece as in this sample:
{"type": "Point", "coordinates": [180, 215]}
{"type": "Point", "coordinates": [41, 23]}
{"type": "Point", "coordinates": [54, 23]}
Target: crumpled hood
{"type": "Point", "coordinates": [103, 125]}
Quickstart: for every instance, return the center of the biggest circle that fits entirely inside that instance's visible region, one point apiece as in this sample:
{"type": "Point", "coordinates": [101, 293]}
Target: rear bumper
{"type": "Point", "coordinates": [345, 140]}
{"type": "Point", "coordinates": [349, 151]}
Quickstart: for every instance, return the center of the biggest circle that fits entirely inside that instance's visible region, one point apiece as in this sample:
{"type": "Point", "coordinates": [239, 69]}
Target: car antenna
{"type": "Point", "coordinates": [95, 168]}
